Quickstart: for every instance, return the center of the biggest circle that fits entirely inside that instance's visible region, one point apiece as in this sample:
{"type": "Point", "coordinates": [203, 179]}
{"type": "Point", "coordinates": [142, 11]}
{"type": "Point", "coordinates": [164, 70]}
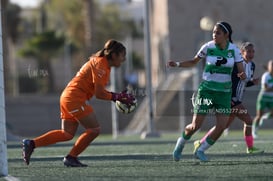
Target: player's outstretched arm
{"type": "Point", "coordinates": [186, 63]}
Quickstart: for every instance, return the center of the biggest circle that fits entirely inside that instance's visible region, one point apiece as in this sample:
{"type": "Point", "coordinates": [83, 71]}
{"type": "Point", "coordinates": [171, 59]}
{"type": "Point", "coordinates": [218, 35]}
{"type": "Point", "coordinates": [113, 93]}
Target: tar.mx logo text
{"type": "Point", "coordinates": [200, 101]}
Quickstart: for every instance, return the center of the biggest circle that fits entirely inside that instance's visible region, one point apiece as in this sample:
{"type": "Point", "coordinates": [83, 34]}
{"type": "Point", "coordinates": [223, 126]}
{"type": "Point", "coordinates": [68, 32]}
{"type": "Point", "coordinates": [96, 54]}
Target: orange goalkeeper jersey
{"type": "Point", "coordinates": [82, 86]}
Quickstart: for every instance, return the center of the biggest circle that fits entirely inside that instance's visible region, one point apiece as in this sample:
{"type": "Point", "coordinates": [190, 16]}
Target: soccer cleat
{"type": "Point", "coordinates": [177, 151]}
{"type": "Point", "coordinates": [70, 161]}
{"type": "Point", "coordinates": [28, 148]}
{"type": "Point", "coordinates": [254, 150]}
{"type": "Point", "coordinates": [201, 156]}
{"type": "Point", "coordinates": [196, 145]}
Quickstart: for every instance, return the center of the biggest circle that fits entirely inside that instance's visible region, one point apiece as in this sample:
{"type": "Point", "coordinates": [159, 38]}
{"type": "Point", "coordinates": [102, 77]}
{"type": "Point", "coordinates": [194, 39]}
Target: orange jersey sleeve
{"type": "Point", "coordinates": [94, 72]}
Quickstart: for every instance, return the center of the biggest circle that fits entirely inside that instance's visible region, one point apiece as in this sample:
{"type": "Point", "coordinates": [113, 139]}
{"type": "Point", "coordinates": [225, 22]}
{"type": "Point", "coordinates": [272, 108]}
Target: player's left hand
{"type": "Point", "coordinates": [242, 75]}
{"type": "Point", "coordinates": [256, 81]}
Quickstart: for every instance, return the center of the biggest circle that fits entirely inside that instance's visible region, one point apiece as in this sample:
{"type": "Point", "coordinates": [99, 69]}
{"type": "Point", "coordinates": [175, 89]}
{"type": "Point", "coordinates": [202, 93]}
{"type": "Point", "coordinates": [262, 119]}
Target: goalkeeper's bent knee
{"type": "Point", "coordinates": [93, 131]}
{"type": "Point", "coordinates": [67, 135]}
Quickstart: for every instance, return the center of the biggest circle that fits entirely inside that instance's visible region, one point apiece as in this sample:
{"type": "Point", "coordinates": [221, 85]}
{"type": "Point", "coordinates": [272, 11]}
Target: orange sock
{"type": "Point", "coordinates": [52, 137]}
{"type": "Point", "coordinates": [84, 140]}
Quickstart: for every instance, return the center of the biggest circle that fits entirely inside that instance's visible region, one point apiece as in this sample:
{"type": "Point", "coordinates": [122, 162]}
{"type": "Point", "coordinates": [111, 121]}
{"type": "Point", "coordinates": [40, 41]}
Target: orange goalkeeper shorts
{"type": "Point", "coordinates": [72, 109]}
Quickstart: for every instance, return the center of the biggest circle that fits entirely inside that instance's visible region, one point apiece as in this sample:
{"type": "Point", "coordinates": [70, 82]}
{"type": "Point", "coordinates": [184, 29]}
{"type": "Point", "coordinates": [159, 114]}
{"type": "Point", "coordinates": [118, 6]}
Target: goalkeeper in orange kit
{"type": "Point", "coordinates": [90, 81]}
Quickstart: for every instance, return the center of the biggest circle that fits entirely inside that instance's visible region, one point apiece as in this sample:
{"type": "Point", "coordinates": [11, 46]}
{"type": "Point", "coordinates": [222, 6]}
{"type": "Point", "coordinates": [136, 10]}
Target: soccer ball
{"type": "Point", "coordinates": [124, 108]}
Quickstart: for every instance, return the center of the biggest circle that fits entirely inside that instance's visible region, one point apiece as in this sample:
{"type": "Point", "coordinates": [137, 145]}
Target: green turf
{"type": "Point", "coordinates": [130, 158]}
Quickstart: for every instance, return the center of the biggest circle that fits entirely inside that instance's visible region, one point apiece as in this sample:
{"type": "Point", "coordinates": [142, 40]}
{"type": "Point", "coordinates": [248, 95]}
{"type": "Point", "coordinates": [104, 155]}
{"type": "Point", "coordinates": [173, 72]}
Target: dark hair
{"type": "Point", "coordinates": [111, 46]}
{"type": "Point", "coordinates": [226, 28]}
{"type": "Point", "coordinates": [244, 45]}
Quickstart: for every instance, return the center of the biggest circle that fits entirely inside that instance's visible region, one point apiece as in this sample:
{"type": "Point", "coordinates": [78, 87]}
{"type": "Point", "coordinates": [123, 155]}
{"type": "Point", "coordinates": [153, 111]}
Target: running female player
{"type": "Point", "coordinates": [265, 98]}
{"type": "Point", "coordinates": [220, 55]}
{"type": "Point", "coordinates": [238, 109]}
{"type": "Point", "coordinates": [90, 81]}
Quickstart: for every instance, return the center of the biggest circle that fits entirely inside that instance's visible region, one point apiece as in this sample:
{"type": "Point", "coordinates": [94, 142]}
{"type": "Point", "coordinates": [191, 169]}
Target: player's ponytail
{"type": "Point", "coordinates": [111, 46]}
{"type": "Point", "coordinates": [100, 53]}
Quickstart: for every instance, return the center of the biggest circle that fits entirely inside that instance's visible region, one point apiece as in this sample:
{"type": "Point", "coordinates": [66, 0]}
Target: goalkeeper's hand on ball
{"type": "Point", "coordinates": [124, 97]}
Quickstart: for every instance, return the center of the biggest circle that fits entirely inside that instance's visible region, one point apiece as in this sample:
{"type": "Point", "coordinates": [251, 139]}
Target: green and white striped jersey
{"type": "Point", "coordinates": [267, 79]}
{"type": "Point", "coordinates": [219, 65]}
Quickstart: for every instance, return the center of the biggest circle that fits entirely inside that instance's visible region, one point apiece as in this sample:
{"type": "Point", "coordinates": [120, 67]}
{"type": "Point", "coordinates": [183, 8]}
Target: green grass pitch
{"type": "Point", "coordinates": [130, 158]}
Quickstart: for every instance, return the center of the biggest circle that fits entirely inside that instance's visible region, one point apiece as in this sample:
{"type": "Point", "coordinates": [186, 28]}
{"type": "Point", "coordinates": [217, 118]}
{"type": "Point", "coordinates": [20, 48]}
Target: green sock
{"type": "Point", "coordinates": [210, 141]}
{"type": "Point", "coordinates": [186, 137]}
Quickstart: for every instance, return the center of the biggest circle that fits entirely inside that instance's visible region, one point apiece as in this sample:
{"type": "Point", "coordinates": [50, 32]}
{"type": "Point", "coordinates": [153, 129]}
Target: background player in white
{"type": "Point", "coordinates": [265, 98]}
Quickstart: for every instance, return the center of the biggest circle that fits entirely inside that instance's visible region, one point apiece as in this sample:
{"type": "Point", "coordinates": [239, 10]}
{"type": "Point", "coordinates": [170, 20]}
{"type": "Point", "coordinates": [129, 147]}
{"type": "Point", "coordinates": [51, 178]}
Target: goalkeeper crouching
{"type": "Point", "coordinates": [90, 81]}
